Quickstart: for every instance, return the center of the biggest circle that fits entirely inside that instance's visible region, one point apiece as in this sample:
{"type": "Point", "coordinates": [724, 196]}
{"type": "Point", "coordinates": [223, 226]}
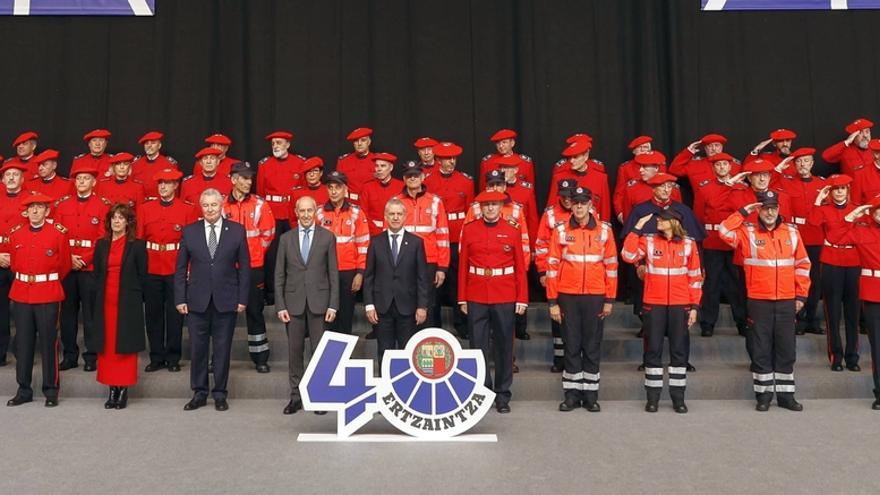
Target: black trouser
{"type": "Point", "coordinates": [30, 320]}
{"type": "Point", "coordinates": [5, 285]}
{"type": "Point", "coordinates": [807, 317]}
{"type": "Point", "coordinates": [495, 320]}
{"type": "Point", "coordinates": [558, 344]}
{"type": "Point", "coordinates": [582, 329]}
{"type": "Point", "coordinates": [666, 321]}
{"type": "Point", "coordinates": [394, 330]}
{"type": "Point", "coordinates": [164, 323]}
{"type": "Point", "coordinates": [433, 296]}
{"type": "Point", "coordinates": [258, 340]}
{"type": "Point", "coordinates": [344, 316]}
{"type": "Point", "coordinates": [447, 295]}
{"type": "Point", "coordinates": [721, 278]}
{"type": "Point", "coordinates": [871, 311]}
{"type": "Point", "coordinates": [773, 348]}
{"type": "Point", "coordinates": [281, 226]}
{"type": "Point", "coordinates": [840, 296]}
{"type": "Point", "coordinates": [79, 292]}
{"type": "Point", "coordinates": [214, 329]}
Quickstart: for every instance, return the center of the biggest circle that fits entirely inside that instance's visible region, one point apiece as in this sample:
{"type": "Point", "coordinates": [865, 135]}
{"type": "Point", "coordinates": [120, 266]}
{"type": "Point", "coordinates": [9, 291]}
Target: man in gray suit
{"type": "Point", "coordinates": [306, 288]}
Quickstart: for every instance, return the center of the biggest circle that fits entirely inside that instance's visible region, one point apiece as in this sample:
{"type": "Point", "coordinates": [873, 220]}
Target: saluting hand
{"type": "Point", "coordinates": [752, 207]}
{"type": "Point", "coordinates": [784, 164]}
{"type": "Point", "coordinates": [695, 146]}
{"type": "Point", "coordinates": [857, 212]}
{"type": "Point", "coordinates": [823, 193]}
{"type": "Point", "coordinates": [642, 221]}
{"type": "Point", "coordinates": [852, 137]}
{"type": "Point", "coordinates": [739, 177]}
{"type": "Point", "coordinates": [763, 144]}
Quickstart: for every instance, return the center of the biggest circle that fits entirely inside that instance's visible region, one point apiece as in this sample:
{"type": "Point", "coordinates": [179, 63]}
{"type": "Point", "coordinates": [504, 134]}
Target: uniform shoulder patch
{"type": "Point", "coordinates": [560, 163]}
{"type": "Point", "coordinates": [188, 177]}
{"type": "Point", "coordinates": [137, 181]}
{"type": "Point", "coordinates": [171, 159]}
{"type": "Point", "coordinates": [60, 228]}
{"type": "Point", "coordinates": [13, 229]}
{"type": "Point", "coordinates": [466, 176]}
{"type": "Point", "coordinates": [79, 156]}
{"type": "Point", "coordinates": [486, 158]}
{"type": "Point", "coordinates": [62, 199]}
{"type": "Point", "coordinates": [106, 201]}
{"type": "Point", "coordinates": [262, 160]}
{"type": "Point", "coordinates": [525, 157]}
{"type": "Point", "coordinates": [600, 162]}
{"type": "Point", "coordinates": [513, 223]}
{"type": "Point", "coordinates": [527, 185]}
{"type": "Point", "coordinates": [704, 182]}
{"type": "Point", "coordinates": [186, 202]}
{"type": "Point", "coordinates": [632, 182]}
{"type": "Point", "coordinates": [341, 157]}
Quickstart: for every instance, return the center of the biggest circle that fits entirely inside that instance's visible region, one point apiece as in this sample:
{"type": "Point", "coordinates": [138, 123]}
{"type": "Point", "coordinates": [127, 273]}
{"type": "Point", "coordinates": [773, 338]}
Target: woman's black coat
{"type": "Point", "coordinates": [130, 334]}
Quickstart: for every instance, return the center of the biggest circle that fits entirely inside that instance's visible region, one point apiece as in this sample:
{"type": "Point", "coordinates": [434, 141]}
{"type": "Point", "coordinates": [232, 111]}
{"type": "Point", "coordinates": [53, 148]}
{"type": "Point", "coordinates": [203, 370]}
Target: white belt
{"type": "Point", "coordinates": [799, 220]}
{"type": "Point", "coordinates": [172, 246]}
{"type": "Point", "coordinates": [277, 199]}
{"type": "Point", "coordinates": [80, 243]}
{"type": "Point", "coordinates": [712, 226]}
{"type": "Point", "coordinates": [378, 223]}
{"type": "Point", "coordinates": [40, 277]}
{"type": "Point", "coordinates": [352, 196]}
{"type": "Point", "coordinates": [867, 272]}
{"type": "Point", "coordinates": [838, 246]}
{"type": "Point", "coordinates": [490, 272]}
{"type": "Point", "coordinates": [4, 238]}
{"type": "Point", "coordinates": [457, 216]}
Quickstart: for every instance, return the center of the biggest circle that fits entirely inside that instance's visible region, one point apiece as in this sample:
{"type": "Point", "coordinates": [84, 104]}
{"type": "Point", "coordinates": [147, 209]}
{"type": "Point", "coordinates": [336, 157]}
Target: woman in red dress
{"type": "Point", "coordinates": [120, 269]}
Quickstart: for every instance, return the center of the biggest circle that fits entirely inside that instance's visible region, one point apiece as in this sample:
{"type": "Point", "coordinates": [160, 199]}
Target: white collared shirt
{"type": "Point", "coordinates": [301, 232]}
{"type": "Point", "coordinates": [218, 230]}
{"type": "Point", "coordinates": [399, 235]}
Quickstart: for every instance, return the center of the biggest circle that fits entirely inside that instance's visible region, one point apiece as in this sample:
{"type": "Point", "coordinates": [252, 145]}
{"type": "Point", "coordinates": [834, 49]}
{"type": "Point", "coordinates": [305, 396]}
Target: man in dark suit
{"type": "Point", "coordinates": [211, 284]}
{"type": "Point", "coordinates": [306, 288]}
{"type": "Point", "coordinates": [396, 288]}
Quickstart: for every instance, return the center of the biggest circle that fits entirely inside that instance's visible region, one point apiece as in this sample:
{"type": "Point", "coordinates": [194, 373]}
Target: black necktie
{"type": "Point", "coordinates": [394, 248]}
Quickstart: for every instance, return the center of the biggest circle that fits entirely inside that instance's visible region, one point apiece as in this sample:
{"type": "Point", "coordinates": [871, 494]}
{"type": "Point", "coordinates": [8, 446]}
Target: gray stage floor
{"type": "Point", "coordinates": [155, 447]}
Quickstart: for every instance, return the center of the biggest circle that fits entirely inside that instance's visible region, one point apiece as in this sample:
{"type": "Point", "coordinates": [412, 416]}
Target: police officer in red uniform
{"type": "Point", "coordinates": [48, 181]}
{"type": "Point", "coordinates": [697, 168]}
{"type": "Point", "coordinates": [425, 147]}
{"type": "Point", "coordinates": [588, 173]}
{"type": "Point", "coordinates": [82, 213]}
{"type": "Point", "coordinates": [222, 143]}
{"type": "Point", "coordinates": [357, 166]}
{"type": "Point", "coordinates": [492, 289]}
{"type": "Point", "coordinates": [839, 273]}
{"type": "Point", "coordinates": [11, 214]}
{"type": "Point", "coordinates": [145, 167]}
{"type": "Point", "coordinates": [456, 189]}
{"type": "Point", "coordinates": [25, 150]}
{"type": "Point", "coordinates": [97, 156]}
{"type": "Point", "coordinates": [39, 256]}
{"type": "Point", "coordinates": [209, 177]}
{"type": "Point", "coordinates": [780, 139]}
{"type": "Point", "coordinates": [382, 187]}
{"type": "Point", "coordinates": [312, 171]}
{"type": "Point", "coordinates": [160, 223]}
{"type": "Point", "coordinates": [852, 152]}
{"type": "Point", "coordinates": [505, 140]}
{"type": "Point", "coordinates": [120, 187]}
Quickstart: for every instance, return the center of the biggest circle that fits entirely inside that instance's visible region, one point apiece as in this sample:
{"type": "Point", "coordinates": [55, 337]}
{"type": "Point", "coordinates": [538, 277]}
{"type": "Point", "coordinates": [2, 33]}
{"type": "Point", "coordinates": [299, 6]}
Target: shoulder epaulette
{"type": "Point", "coordinates": [13, 229]}
{"type": "Point", "coordinates": [79, 156]}
{"type": "Point", "coordinates": [188, 177]}
{"type": "Point", "coordinates": [60, 228]}
{"type": "Point", "coordinates": [600, 162]}
{"type": "Point", "coordinates": [262, 160]}
{"type": "Point", "coordinates": [858, 167]}
{"type": "Point", "coordinates": [526, 184]}
{"type": "Point", "coordinates": [525, 157]}
{"type": "Point", "coordinates": [549, 208]}
{"type": "Point", "coordinates": [704, 182]}
{"type": "Point", "coordinates": [632, 182]}
{"type": "Point", "coordinates": [106, 201]}
{"type": "Point", "coordinates": [7, 160]}
{"type": "Point", "coordinates": [301, 157]}
{"type": "Point", "coordinates": [513, 223]}
{"type": "Point", "coordinates": [171, 159]}
{"type": "Point", "coordinates": [561, 162]}
{"type": "Point", "coordinates": [486, 158]}
{"type": "Point", "coordinates": [137, 181]}
{"type": "Point", "coordinates": [343, 156]}
{"type": "Point", "coordinates": [186, 202]}
{"type": "Point", "coordinates": [736, 160]}
{"type": "Point", "coordinates": [137, 157]}
{"type": "Point", "coordinates": [62, 198]}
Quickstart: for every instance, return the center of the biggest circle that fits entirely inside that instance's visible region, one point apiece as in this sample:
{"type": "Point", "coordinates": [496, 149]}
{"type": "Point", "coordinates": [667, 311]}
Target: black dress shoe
{"type": "Point", "coordinates": [503, 408]}
{"type": "Point", "coordinates": [854, 367]}
{"type": "Point", "coordinates": [292, 407]}
{"type": "Point", "coordinates": [680, 408]}
{"type": "Point", "coordinates": [641, 367]}
{"type": "Point", "coordinates": [262, 368]}
{"type": "Point", "coordinates": [371, 335]}
{"type": "Point", "coordinates": [791, 405]}
{"type": "Point", "coordinates": [89, 367]}
{"type": "Point", "coordinates": [557, 369]}
{"type": "Point", "coordinates": [799, 331]}
{"type": "Point", "coordinates": [651, 407]}
{"type": "Point", "coordinates": [836, 367]}
{"type": "Point", "coordinates": [195, 403]}
{"type": "Point", "coordinates": [515, 368]}
{"type": "Point", "coordinates": [68, 364]}
{"type": "Point", "coordinates": [221, 405]}
{"type": "Point", "coordinates": [816, 330]}
{"type": "Point", "coordinates": [690, 368]}
{"type": "Point", "coordinates": [566, 406]}
{"type": "Point", "coordinates": [122, 398]}
{"type": "Point", "coordinates": [51, 401]}
{"type": "Point", "coordinates": [112, 399]}
{"type": "Point", "coordinates": [592, 406]}
{"type": "Point", "coordinates": [523, 335]}
{"type": "Point", "coordinates": [640, 334]}
{"type": "Point", "coordinates": [3, 362]}
{"type": "Point", "coordinates": [158, 365]}
{"type": "Point", "coordinates": [762, 406]}
{"type": "Point", "coordinates": [706, 332]}
{"type": "Point", "coordinates": [876, 405]}
{"type": "Point", "coordinates": [18, 400]}
{"type": "Point", "coordinates": [174, 367]}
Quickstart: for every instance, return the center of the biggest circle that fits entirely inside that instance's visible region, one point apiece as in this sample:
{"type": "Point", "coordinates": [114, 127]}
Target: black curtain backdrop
{"type": "Point", "coordinates": [454, 69]}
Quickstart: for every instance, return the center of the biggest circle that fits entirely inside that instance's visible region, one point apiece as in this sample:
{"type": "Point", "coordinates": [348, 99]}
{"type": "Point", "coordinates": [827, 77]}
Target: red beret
{"type": "Point", "coordinates": [121, 157]}
{"type": "Point", "coordinates": [651, 158]}
{"type": "Point", "coordinates": [503, 134]}
{"type": "Point", "coordinates": [839, 180]}
{"type": "Point", "coordinates": [311, 163]}
{"type": "Point", "coordinates": [46, 155]}
{"type": "Point", "coordinates": [717, 157]}
{"type": "Point", "coordinates": [36, 198]}
{"type": "Point", "coordinates": [758, 166]}
{"type": "Point", "coordinates": [781, 134]}
{"type": "Point", "coordinates": [447, 150]}
{"type": "Point", "coordinates": [388, 157]}
{"type": "Point", "coordinates": [661, 178]}
{"type": "Point", "coordinates": [635, 143]}
{"type": "Point", "coordinates": [25, 136]}
{"type": "Point", "coordinates": [489, 196]}
{"type": "Point", "coordinates": [874, 144]}
{"type": "Point", "coordinates": [858, 125]}
{"type": "Point", "coordinates": [168, 174]}
{"type": "Point", "coordinates": [359, 133]}
{"type": "Point", "coordinates": [281, 135]}
{"type": "Point", "coordinates": [803, 152]}
{"type": "Point", "coordinates": [511, 160]}
{"type": "Point", "coordinates": [425, 142]}
{"type": "Point", "coordinates": [16, 164]}
{"type": "Point", "coordinates": [151, 136]}
{"type": "Point", "coordinates": [97, 133]}
{"type": "Point", "coordinates": [208, 151]}
{"type": "Point", "coordinates": [218, 139]}
{"type": "Point", "coordinates": [578, 137]}
{"type": "Point", "coordinates": [578, 147]}
{"type": "Point", "coordinates": [84, 168]}
{"type": "Point", "coordinates": [713, 138]}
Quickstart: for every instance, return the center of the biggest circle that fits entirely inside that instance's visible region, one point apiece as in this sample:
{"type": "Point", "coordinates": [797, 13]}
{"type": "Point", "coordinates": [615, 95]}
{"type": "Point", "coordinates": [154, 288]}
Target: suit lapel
{"type": "Point", "coordinates": [297, 251]}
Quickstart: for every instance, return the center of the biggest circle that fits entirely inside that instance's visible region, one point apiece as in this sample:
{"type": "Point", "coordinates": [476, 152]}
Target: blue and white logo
{"type": "Point", "coordinates": [432, 390]}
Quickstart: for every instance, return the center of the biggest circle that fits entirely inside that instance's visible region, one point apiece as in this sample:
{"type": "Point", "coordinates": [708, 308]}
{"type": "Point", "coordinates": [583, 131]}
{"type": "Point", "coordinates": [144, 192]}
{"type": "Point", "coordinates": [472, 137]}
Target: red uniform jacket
{"type": "Point", "coordinates": [143, 169]}
{"type": "Point", "coordinates": [866, 237]}
{"type": "Point", "coordinates": [823, 217]}
{"type": "Point", "coordinates": [696, 169]}
{"type": "Point", "coordinates": [84, 219]}
{"type": "Point", "coordinates": [803, 197]}
{"type": "Point", "coordinates": [491, 268]}
{"type": "Point", "coordinates": [127, 191]}
{"type": "Point", "coordinates": [717, 205]}
{"type": "Point", "coordinates": [525, 169]}
{"type": "Point", "coordinates": [101, 162]}
{"type": "Point", "coordinates": [276, 178]}
{"type": "Point", "coordinates": [161, 225]}
{"type": "Point", "coordinates": [40, 259]}
{"type": "Point", "coordinates": [524, 194]}
{"type": "Point", "coordinates": [866, 184]}
{"type": "Point", "coordinates": [594, 179]}
{"type": "Point", "coordinates": [850, 157]}
{"type": "Point", "coordinates": [11, 213]}
{"type": "Point", "coordinates": [626, 172]}
{"type": "Point", "coordinates": [373, 197]}
{"type": "Point", "coordinates": [358, 170]}
{"type": "Point", "coordinates": [55, 187]}
{"type": "Point", "coordinates": [194, 185]}
{"type": "Point", "coordinates": [553, 217]}
{"type": "Point", "coordinates": [673, 276]}
{"type": "Point", "coordinates": [457, 192]}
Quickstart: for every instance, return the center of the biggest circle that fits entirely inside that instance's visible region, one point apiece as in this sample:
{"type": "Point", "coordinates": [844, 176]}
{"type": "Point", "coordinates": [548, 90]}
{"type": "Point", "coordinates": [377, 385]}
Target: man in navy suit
{"type": "Point", "coordinates": [211, 285]}
{"type": "Point", "coordinates": [396, 287]}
